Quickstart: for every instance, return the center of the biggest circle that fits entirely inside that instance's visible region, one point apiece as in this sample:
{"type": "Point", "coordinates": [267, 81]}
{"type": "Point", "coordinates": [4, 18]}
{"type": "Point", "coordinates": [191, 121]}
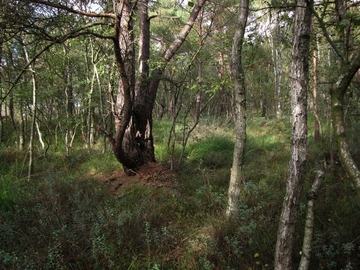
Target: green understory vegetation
{"type": "Point", "coordinates": [65, 218]}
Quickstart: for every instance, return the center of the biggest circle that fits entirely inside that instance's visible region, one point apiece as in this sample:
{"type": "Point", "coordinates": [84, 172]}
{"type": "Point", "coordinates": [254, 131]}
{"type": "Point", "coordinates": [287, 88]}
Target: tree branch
{"type": "Point", "coordinates": [169, 53]}
{"type": "Point", "coordinates": [107, 134]}
{"type": "Point", "coordinates": [74, 11]}
{"type": "Point", "coordinates": [326, 34]}
{"type": "Point", "coordinates": [58, 40]}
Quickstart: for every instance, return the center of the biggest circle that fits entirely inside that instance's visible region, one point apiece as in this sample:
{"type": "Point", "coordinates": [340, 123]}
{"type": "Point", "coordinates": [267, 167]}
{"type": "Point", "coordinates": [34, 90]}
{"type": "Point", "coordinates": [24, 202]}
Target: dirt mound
{"type": "Point", "coordinates": [151, 174]}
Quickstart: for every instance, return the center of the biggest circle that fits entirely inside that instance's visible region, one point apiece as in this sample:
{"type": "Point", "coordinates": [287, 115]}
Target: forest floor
{"type": "Point", "coordinates": [152, 174]}
{"type": "Point", "coordinates": [171, 219]}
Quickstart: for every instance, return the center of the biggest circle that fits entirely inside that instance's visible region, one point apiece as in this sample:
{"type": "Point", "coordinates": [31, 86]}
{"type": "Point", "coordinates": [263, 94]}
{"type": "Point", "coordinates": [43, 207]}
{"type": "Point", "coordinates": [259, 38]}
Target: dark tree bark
{"type": "Point", "coordinates": [133, 144]}
{"type": "Point", "coordinates": [299, 86]}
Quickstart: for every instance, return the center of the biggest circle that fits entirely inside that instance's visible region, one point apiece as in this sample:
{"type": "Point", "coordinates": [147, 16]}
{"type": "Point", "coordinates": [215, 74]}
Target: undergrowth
{"type": "Point", "coordinates": [64, 218]}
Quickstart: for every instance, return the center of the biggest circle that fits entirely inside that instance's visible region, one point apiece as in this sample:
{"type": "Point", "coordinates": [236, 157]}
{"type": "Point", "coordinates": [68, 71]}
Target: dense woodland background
{"type": "Point", "coordinates": [67, 204]}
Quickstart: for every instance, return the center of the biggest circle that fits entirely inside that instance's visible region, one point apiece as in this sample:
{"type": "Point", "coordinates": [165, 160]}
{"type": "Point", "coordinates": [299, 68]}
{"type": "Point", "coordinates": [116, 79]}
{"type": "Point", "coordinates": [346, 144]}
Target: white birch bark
{"type": "Point", "coordinates": [239, 110]}
{"type": "Point", "coordinates": [39, 135]}
{"type": "Point", "coordinates": [33, 117]}
{"type": "Point", "coordinates": [309, 222]}
{"type": "Point", "coordinates": [299, 86]}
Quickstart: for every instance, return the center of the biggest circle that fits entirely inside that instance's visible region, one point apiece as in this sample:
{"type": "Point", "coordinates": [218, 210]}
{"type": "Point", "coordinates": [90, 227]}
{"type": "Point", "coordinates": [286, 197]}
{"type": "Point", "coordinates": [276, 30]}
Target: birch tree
{"type": "Point", "coordinates": [298, 145]}
{"type": "Point", "coordinates": [33, 116]}
{"type": "Point", "coordinates": [239, 111]}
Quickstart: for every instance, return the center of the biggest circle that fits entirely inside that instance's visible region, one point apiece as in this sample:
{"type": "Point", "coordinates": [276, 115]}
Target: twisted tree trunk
{"type": "Point", "coordinates": [337, 92]}
{"type": "Point", "coordinates": [133, 144]}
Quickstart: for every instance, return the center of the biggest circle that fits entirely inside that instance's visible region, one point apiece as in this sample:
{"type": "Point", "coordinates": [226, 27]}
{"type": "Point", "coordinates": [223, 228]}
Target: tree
{"type": "Point", "coordinates": [239, 111]}
{"type": "Point", "coordinates": [337, 92]}
{"type": "Point", "coordinates": [133, 142]}
{"type": "Point", "coordinates": [138, 78]}
{"type": "Point", "coordinates": [33, 117]}
{"type": "Point", "coordinates": [349, 65]}
{"type": "Point", "coordinates": [341, 33]}
{"type": "Point", "coordinates": [298, 144]}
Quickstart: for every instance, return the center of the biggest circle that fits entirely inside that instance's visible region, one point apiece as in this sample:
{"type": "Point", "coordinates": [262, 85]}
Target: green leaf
{"type": "Point", "coordinates": [190, 4]}
{"type": "Point", "coordinates": [344, 23]}
{"type": "Point", "coordinates": [356, 20]}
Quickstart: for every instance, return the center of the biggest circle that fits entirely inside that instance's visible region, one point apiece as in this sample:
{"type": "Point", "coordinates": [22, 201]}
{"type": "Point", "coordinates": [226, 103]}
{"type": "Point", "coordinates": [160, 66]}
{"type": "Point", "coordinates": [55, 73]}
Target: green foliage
{"type": "Point", "coordinates": [335, 242]}
{"type": "Point", "coordinates": [213, 152]}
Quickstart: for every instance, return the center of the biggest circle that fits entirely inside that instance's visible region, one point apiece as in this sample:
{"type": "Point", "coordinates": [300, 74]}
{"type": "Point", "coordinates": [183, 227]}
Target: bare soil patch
{"type": "Point", "coordinates": [151, 174]}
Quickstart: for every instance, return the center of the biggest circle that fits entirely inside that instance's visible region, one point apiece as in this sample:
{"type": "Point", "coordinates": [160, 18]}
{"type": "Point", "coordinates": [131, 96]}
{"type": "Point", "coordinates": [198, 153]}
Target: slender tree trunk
{"type": "Point", "coordinates": [200, 71]}
{"type": "Point", "coordinates": [22, 126]}
{"type": "Point", "coordinates": [39, 135]}
{"type": "Point", "coordinates": [69, 100]}
{"type": "Point", "coordinates": [1, 89]}
{"type": "Point", "coordinates": [297, 170]}
{"type": "Point", "coordinates": [315, 95]}
{"type": "Point", "coordinates": [1, 117]}
{"type": "Point", "coordinates": [89, 117]}
{"type": "Point", "coordinates": [309, 222]}
{"type": "Point", "coordinates": [33, 118]}
{"type": "Point", "coordinates": [278, 80]}
{"type": "Point", "coordinates": [220, 73]}
{"type": "Point", "coordinates": [276, 54]}
{"type": "Point", "coordinates": [239, 112]}
{"type": "Point", "coordinates": [90, 138]}
{"type": "Point", "coordinates": [101, 104]}
{"type": "Point", "coordinates": [12, 111]}
{"type": "Point", "coordinates": [32, 129]}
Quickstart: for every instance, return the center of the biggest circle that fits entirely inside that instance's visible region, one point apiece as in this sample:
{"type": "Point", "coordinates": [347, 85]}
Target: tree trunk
{"type": "Point", "coordinates": [133, 144]}
{"type": "Point", "coordinates": [276, 55]}
{"type": "Point", "coordinates": [90, 133]}
{"type": "Point", "coordinates": [350, 64]}
{"type": "Point", "coordinates": [337, 92]}
{"type": "Point", "coordinates": [315, 95]}
{"type": "Point", "coordinates": [33, 118]}
{"type": "Point", "coordinates": [309, 222]}
{"type": "Point", "coordinates": [39, 135]}
{"type": "Point", "coordinates": [297, 170]}
{"type": "Point", "coordinates": [239, 111]}
{"type": "Point", "coordinates": [220, 73]}
{"type": "Point", "coordinates": [69, 101]}
{"type": "Point", "coordinates": [22, 126]}
{"type": "Point", "coordinates": [198, 98]}
{"type": "Point", "coordinates": [12, 111]}
{"type": "Point", "coordinates": [1, 89]}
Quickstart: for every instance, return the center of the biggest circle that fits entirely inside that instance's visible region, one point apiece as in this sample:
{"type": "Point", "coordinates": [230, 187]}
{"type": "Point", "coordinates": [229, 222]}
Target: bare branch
{"type": "Point", "coordinates": [74, 11]}
{"type": "Point", "coordinates": [107, 134]}
{"type": "Point", "coordinates": [58, 40]}
{"type": "Point", "coordinates": [326, 34]}
{"type": "Point", "coordinates": [169, 53]}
